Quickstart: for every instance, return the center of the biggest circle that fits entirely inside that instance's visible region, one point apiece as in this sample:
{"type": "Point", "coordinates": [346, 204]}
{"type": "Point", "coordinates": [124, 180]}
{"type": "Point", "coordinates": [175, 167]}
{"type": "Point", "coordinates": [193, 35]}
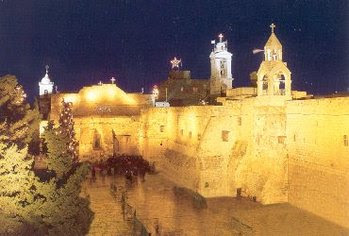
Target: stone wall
{"type": "Point", "coordinates": [118, 135]}
{"type": "Point", "coordinates": [213, 149]}
{"type": "Point", "coordinates": [269, 148]}
{"type": "Point", "coordinates": [319, 157]}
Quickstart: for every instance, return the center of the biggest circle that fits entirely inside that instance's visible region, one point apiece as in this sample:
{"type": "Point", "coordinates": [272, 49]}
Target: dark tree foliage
{"type": "Point", "coordinates": [29, 205]}
{"type": "Point", "coordinates": [17, 191]}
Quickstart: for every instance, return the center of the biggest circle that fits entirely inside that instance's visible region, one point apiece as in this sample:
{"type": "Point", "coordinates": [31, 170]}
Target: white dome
{"type": "Point", "coordinates": [46, 79]}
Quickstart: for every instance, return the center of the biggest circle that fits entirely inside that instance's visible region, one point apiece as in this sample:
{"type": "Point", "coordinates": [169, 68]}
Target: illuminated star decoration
{"type": "Point", "coordinates": [175, 63]}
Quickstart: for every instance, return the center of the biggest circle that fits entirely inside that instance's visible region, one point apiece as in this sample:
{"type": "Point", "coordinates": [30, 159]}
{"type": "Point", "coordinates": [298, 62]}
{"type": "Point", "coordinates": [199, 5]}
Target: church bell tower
{"type": "Point", "coordinates": [45, 85]}
{"type": "Point", "coordinates": [273, 75]}
{"type": "Point", "coordinates": [221, 78]}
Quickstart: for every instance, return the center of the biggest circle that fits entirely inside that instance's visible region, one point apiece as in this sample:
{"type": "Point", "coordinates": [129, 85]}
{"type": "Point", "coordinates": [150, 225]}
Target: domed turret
{"type": "Point", "coordinates": [45, 85]}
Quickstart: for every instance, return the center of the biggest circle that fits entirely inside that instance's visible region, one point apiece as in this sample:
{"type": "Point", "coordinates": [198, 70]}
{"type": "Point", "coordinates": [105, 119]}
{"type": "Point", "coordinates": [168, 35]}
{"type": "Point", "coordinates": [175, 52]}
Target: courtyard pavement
{"type": "Point", "coordinates": [159, 209]}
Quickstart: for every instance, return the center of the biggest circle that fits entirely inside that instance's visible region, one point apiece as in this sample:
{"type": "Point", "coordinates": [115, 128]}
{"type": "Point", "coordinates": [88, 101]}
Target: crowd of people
{"type": "Point", "coordinates": [128, 166]}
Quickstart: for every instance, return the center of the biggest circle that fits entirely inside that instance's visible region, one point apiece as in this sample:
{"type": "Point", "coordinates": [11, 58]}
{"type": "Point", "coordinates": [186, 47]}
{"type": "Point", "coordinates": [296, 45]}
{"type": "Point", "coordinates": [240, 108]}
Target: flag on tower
{"type": "Point", "coordinates": [256, 50]}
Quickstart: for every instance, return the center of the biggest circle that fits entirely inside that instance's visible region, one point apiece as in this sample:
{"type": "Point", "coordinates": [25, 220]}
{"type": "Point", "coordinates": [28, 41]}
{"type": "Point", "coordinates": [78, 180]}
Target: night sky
{"type": "Point", "coordinates": [86, 41]}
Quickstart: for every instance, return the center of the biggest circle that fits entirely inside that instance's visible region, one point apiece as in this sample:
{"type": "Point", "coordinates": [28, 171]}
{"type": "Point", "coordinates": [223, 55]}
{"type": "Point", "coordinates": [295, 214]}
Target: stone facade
{"type": "Point", "coordinates": [287, 151]}
{"type": "Point", "coordinates": [273, 144]}
{"type": "Point", "coordinates": [107, 120]}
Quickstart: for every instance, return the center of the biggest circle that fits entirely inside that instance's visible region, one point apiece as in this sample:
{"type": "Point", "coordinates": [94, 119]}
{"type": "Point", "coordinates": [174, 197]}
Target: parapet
{"type": "Point", "coordinates": [179, 74]}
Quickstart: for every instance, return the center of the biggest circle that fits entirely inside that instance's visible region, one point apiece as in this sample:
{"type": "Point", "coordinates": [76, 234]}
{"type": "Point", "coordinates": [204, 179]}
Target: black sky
{"type": "Point", "coordinates": [86, 41]}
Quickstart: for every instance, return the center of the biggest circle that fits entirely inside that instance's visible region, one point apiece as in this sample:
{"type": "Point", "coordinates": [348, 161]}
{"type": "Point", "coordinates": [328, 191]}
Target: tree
{"type": "Point", "coordinates": [61, 193]}
{"type": "Point", "coordinates": [16, 175]}
{"type": "Point", "coordinates": [253, 79]}
{"type": "Point", "coordinates": [51, 204]}
{"type": "Point", "coordinates": [66, 124]}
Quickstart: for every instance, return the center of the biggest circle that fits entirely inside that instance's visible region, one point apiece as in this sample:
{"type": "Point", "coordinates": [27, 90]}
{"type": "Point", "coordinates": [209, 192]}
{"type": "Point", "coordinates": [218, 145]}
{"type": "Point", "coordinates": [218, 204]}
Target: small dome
{"type": "Point", "coordinates": [46, 79]}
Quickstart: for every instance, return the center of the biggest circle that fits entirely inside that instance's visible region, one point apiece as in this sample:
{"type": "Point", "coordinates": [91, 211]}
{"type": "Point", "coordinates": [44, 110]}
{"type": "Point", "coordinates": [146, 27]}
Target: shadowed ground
{"type": "Point", "coordinates": [158, 207]}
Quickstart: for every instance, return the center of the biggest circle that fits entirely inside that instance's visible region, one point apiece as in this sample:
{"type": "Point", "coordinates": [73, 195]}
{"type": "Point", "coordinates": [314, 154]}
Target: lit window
{"type": "Point", "coordinates": [162, 128]}
{"type": "Point", "coordinates": [281, 139]}
{"type": "Point", "coordinates": [346, 141]}
{"type": "Point", "coordinates": [225, 135]}
{"type": "Point", "coordinates": [239, 121]}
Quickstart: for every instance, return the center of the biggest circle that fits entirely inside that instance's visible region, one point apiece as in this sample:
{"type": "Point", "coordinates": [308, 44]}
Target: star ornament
{"type": "Point", "coordinates": [175, 63]}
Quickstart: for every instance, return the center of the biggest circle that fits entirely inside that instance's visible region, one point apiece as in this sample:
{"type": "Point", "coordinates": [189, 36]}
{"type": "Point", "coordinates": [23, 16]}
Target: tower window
{"type": "Point", "coordinates": [239, 121]}
{"type": "Point", "coordinates": [281, 139]}
{"type": "Point", "coordinates": [225, 135]}
{"type": "Point", "coordinates": [346, 141]}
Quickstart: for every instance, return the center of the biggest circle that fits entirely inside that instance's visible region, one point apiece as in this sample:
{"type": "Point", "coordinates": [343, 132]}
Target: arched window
{"type": "Point", "coordinates": [96, 140]}
{"type": "Point", "coordinates": [282, 84]}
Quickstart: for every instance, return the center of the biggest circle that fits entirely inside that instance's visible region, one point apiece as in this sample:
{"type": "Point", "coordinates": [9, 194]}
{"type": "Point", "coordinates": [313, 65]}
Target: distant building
{"type": "Point", "coordinates": [181, 90]}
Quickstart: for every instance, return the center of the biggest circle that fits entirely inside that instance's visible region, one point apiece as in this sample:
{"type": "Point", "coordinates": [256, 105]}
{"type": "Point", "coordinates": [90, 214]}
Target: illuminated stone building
{"type": "Point", "coordinates": [269, 142]}
{"type": "Point", "coordinates": [181, 90]}
{"type": "Point", "coordinates": [221, 77]}
{"type": "Point", "coordinates": [107, 120]}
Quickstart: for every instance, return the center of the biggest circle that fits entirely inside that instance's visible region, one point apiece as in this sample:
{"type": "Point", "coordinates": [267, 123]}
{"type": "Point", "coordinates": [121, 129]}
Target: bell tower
{"type": "Point", "coordinates": [273, 75]}
{"type": "Point", "coordinates": [221, 78]}
{"type": "Point", "coordinates": [45, 85]}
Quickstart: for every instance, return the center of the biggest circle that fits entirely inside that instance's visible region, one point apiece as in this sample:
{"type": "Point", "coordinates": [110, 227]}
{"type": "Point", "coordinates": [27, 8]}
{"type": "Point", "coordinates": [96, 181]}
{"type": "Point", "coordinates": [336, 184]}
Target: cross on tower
{"type": "Point", "coordinates": [47, 67]}
{"type": "Point", "coordinates": [220, 36]}
{"type": "Point", "coordinates": [112, 80]}
{"type": "Point", "coordinates": [272, 26]}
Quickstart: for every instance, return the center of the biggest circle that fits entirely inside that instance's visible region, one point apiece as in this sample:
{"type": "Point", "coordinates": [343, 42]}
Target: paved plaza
{"type": "Point", "coordinates": [162, 212]}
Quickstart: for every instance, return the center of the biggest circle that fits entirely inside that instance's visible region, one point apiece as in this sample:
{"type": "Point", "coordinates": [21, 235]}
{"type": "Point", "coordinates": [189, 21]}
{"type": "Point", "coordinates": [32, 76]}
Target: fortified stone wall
{"type": "Point", "coordinates": [317, 143]}
{"type": "Point", "coordinates": [212, 149]}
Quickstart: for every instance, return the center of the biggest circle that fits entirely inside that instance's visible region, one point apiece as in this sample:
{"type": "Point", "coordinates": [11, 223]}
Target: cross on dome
{"type": "Point", "coordinates": [47, 67]}
{"type": "Point", "coordinates": [220, 36]}
{"type": "Point", "coordinates": [175, 63]}
{"type": "Point", "coordinates": [112, 80]}
{"type": "Point", "coordinates": [272, 26]}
